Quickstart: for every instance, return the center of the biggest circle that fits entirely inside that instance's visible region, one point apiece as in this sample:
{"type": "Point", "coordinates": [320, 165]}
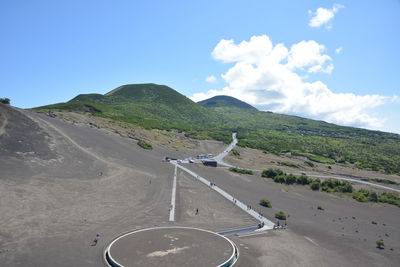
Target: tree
{"type": "Point", "coordinates": [5, 101]}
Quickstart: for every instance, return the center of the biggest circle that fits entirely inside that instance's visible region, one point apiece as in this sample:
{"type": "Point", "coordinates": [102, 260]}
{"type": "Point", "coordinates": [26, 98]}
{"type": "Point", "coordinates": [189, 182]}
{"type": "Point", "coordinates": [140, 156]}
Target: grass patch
{"type": "Point", "coordinates": [241, 171]}
{"type": "Point", "coordinates": [145, 145]}
{"type": "Point", "coordinates": [235, 152]}
{"type": "Point", "coordinates": [289, 164]}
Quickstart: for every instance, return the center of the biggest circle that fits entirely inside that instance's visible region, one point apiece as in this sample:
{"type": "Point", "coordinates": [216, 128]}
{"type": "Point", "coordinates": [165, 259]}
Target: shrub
{"type": "Point", "coordinates": [290, 179]}
{"type": "Point", "coordinates": [271, 173]}
{"type": "Point", "coordinates": [302, 180]}
{"type": "Point", "coordinates": [309, 163]}
{"type": "Point", "coordinates": [145, 145]}
{"type": "Point", "coordinates": [265, 203]}
{"type": "Point", "coordinates": [315, 185]}
{"type": "Point", "coordinates": [380, 244]}
{"type": "Point", "coordinates": [289, 164]}
{"type": "Point", "coordinates": [235, 152]}
{"type": "Point", "coordinates": [5, 101]}
{"type": "Point", "coordinates": [241, 171]}
{"type": "Point", "coordinates": [280, 215]}
{"type": "Point", "coordinates": [280, 179]}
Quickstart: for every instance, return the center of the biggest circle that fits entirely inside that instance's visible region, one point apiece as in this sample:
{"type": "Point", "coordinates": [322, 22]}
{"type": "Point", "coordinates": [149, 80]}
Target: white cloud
{"type": "Point", "coordinates": [308, 54]}
{"type": "Point", "coordinates": [322, 16]}
{"type": "Point", "coordinates": [269, 77]}
{"type": "Point", "coordinates": [211, 79]}
{"type": "Point", "coordinates": [338, 50]}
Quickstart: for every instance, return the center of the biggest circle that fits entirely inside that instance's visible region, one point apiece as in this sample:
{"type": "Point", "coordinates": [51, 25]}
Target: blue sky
{"type": "Point", "coordinates": [342, 68]}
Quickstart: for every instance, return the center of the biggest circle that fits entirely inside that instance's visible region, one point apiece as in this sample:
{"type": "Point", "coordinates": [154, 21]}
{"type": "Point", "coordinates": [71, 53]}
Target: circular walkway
{"type": "Point", "coordinates": [171, 246]}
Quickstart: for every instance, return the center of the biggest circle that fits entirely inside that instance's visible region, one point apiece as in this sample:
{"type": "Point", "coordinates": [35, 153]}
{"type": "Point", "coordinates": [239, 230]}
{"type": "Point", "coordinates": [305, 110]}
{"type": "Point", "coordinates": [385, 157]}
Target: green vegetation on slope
{"type": "Point", "coordinates": [241, 171]}
{"type": "Point", "coordinates": [330, 186]}
{"type": "Point", "coordinates": [160, 107]}
{"type": "Point", "coordinates": [145, 145]}
{"type": "Point", "coordinates": [223, 101]}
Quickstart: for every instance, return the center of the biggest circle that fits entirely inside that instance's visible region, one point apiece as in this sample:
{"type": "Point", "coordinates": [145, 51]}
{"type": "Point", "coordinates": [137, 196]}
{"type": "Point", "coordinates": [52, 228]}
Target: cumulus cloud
{"type": "Point", "coordinates": [270, 77]}
{"type": "Point", "coordinates": [211, 79]}
{"type": "Point", "coordinates": [322, 16]}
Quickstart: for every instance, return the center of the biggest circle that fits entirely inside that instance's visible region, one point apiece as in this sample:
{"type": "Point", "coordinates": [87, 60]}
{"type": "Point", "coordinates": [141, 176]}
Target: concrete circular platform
{"type": "Point", "coordinates": [171, 246]}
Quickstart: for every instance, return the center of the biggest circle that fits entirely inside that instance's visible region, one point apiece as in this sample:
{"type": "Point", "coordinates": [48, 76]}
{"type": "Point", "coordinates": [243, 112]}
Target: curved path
{"type": "Point", "coordinates": [226, 151]}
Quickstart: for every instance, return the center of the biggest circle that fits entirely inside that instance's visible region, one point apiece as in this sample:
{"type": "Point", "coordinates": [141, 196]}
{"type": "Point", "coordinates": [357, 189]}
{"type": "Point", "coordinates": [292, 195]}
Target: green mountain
{"type": "Point", "coordinates": [158, 106]}
{"type": "Point", "coordinates": [225, 101]}
{"type": "Point", "coordinates": [148, 105]}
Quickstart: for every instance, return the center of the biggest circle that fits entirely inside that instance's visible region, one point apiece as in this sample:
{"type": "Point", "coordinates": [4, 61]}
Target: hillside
{"type": "Point", "coordinates": [225, 101]}
{"type": "Point", "coordinates": [147, 105]}
{"type": "Point", "coordinates": [160, 107]}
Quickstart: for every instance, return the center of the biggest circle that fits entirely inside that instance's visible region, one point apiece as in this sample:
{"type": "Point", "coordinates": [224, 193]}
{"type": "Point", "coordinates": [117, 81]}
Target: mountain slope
{"type": "Point", "coordinates": [149, 105]}
{"type": "Point", "coordinates": [225, 101]}
{"type": "Point", "coordinates": [158, 106]}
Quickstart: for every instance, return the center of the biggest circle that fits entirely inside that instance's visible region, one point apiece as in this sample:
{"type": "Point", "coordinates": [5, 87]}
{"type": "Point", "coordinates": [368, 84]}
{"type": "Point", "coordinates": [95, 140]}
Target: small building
{"type": "Point", "coordinates": [211, 163]}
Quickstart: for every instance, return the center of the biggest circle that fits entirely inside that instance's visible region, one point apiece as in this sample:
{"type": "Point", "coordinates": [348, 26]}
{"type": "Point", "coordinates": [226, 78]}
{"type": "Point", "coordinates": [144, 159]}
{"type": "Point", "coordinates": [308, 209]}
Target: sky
{"type": "Point", "coordinates": [335, 61]}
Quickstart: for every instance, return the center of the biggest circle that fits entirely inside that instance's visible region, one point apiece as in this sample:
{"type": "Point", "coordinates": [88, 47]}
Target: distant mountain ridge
{"type": "Point", "coordinates": [225, 101]}
{"type": "Point", "coordinates": [158, 106]}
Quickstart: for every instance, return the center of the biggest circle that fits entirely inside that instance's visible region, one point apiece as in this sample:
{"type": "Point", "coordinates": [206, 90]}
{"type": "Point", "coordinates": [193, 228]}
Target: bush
{"type": "Point", "coordinates": [265, 203]}
{"type": "Point", "coordinates": [145, 145]}
{"type": "Point", "coordinates": [315, 185]}
{"type": "Point", "coordinates": [380, 244]}
{"type": "Point", "coordinates": [390, 198]}
{"type": "Point", "coordinates": [241, 171]}
{"type": "Point", "coordinates": [280, 215]}
{"type": "Point", "coordinates": [289, 164]}
{"type": "Point", "coordinates": [302, 180]}
{"type": "Point", "coordinates": [271, 173]}
{"type": "Point", "coordinates": [290, 179]}
{"type": "Point", "coordinates": [280, 179]}
{"type": "Point", "coordinates": [235, 152]}
{"type": "Point", "coordinates": [309, 163]}
{"type": "Point", "coordinates": [5, 101]}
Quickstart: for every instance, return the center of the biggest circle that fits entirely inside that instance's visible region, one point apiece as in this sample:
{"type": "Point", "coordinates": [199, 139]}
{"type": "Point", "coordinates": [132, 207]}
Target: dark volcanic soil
{"type": "Point", "coordinates": [61, 183]}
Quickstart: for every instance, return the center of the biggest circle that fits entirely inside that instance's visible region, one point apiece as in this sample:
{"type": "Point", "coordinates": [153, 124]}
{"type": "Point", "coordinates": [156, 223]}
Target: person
{"type": "Point", "coordinates": [197, 211]}
{"type": "Point", "coordinates": [96, 239]}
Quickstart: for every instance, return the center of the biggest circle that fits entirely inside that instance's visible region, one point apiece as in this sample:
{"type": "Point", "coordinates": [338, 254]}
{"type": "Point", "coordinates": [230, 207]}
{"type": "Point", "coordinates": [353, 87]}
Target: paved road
{"type": "Point", "coordinates": [173, 198]}
{"type": "Point", "coordinates": [219, 157]}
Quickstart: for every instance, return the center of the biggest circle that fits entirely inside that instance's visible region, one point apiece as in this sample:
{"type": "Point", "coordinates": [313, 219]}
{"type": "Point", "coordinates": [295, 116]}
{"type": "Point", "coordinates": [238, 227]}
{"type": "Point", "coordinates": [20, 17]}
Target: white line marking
{"type": "Point", "coordinates": [312, 241]}
{"type": "Point", "coordinates": [172, 207]}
